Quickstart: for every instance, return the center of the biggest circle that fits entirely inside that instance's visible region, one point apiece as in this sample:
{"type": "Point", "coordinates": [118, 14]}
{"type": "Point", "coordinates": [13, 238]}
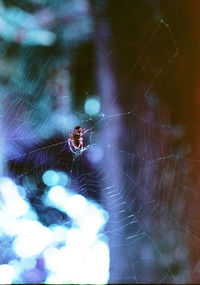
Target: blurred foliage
{"type": "Point", "coordinates": [39, 40]}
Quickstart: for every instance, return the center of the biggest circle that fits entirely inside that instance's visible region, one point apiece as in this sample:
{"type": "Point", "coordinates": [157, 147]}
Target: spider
{"type": "Point", "coordinates": [76, 140]}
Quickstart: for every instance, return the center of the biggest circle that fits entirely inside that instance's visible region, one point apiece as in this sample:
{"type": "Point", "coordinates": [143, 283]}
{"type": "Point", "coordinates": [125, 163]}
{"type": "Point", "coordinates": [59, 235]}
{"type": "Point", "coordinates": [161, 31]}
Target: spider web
{"type": "Point", "coordinates": [148, 226]}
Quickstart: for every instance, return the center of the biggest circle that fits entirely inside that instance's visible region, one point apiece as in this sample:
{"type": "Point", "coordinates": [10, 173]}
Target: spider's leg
{"type": "Point", "coordinates": [69, 144]}
{"type": "Point", "coordinates": [86, 131]}
{"type": "Point", "coordinates": [81, 145]}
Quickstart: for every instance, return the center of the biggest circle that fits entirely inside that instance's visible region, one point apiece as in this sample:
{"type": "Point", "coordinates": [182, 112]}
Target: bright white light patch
{"type": "Point", "coordinates": [21, 191]}
{"type": "Point", "coordinates": [59, 233]}
{"type": "Point", "coordinates": [15, 206]}
{"type": "Point", "coordinates": [98, 265]}
{"type": "Point", "coordinates": [77, 263]}
{"type": "Point", "coordinates": [32, 238]}
{"type": "Point", "coordinates": [7, 273]}
{"type": "Point", "coordinates": [50, 178]}
{"type": "Point", "coordinates": [73, 253]}
{"type": "Point", "coordinates": [57, 197]}
{"type": "Point", "coordinates": [83, 258]}
{"type": "Point", "coordinates": [63, 178]}
{"type": "Point", "coordinates": [28, 263]}
{"type": "Point", "coordinates": [8, 189]}
{"type": "Point", "coordinates": [94, 220]}
{"type": "Point", "coordinates": [76, 206]}
{"type": "Point", "coordinates": [92, 106]}
{"type": "Point", "coordinates": [16, 265]}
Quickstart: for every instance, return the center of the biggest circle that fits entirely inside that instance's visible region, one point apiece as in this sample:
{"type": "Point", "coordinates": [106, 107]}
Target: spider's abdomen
{"type": "Point", "coordinates": [76, 143]}
{"type": "Point", "coordinates": [76, 140]}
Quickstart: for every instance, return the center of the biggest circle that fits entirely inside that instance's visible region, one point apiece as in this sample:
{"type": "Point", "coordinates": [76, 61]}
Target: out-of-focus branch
{"type": "Point", "coordinates": [111, 134]}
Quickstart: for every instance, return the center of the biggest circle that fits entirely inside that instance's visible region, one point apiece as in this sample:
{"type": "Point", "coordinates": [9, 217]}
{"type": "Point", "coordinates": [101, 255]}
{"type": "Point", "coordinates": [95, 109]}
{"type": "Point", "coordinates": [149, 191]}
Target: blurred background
{"type": "Point", "coordinates": [126, 208]}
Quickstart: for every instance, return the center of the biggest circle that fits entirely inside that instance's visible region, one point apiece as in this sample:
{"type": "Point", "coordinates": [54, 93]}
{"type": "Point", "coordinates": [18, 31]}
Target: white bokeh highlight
{"type": "Point", "coordinates": [50, 177]}
{"type": "Point", "coordinates": [92, 106]}
{"type": "Point", "coordinates": [77, 253]}
{"type": "Point", "coordinates": [7, 273]}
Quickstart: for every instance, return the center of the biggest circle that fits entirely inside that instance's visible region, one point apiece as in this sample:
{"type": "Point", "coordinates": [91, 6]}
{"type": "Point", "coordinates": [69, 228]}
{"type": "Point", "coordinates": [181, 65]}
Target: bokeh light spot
{"type": "Point", "coordinates": [32, 238]}
{"type": "Point", "coordinates": [95, 154]}
{"type": "Point", "coordinates": [50, 178]}
{"type": "Point", "coordinates": [76, 206]}
{"type": "Point", "coordinates": [92, 106]}
{"type": "Point", "coordinates": [6, 274]}
{"type": "Point", "coordinates": [63, 178]}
